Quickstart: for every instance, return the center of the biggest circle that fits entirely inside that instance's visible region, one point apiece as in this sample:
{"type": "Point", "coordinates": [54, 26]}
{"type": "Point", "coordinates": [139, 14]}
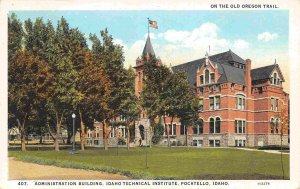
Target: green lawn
{"type": "Point", "coordinates": [170, 163]}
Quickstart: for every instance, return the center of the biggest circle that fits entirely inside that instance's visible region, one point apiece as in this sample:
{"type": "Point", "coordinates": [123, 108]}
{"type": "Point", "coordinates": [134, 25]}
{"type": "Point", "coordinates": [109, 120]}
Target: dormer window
{"type": "Point", "coordinates": [206, 76]}
{"type": "Point", "coordinates": [201, 80]}
{"type": "Point", "coordinates": [212, 78]}
{"type": "Point", "coordinates": [274, 78]}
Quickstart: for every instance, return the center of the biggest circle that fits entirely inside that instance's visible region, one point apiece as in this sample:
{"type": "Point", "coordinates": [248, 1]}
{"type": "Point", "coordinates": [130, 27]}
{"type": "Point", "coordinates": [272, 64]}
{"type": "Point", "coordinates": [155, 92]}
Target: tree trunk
{"type": "Point", "coordinates": [167, 131]}
{"type": "Point", "coordinates": [105, 135]}
{"type": "Point", "coordinates": [128, 137]}
{"type": "Point", "coordinates": [186, 136]}
{"type": "Point", "coordinates": [23, 144]}
{"type": "Point", "coordinates": [171, 128]}
{"type": "Point", "coordinates": [22, 132]}
{"type": "Point", "coordinates": [82, 126]}
{"type": "Point", "coordinates": [56, 144]}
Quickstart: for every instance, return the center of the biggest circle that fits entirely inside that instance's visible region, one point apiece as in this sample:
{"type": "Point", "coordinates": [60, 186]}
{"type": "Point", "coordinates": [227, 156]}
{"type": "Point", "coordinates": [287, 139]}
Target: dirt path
{"type": "Point", "coordinates": [19, 170]}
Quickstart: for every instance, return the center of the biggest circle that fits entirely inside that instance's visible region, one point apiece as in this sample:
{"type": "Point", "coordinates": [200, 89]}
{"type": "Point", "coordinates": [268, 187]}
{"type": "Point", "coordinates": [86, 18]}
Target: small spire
{"type": "Point", "coordinates": [206, 58]}
{"type": "Point", "coordinates": [275, 62]}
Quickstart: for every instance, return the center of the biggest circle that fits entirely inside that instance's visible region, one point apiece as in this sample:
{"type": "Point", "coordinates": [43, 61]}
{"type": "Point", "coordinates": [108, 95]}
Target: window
{"type": "Point", "coordinates": [211, 89]}
{"type": "Point", "coordinates": [277, 105]}
{"type": "Point", "coordinates": [201, 80]}
{"type": "Point", "coordinates": [198, 129]}
{"type": "Point", "coordinates": [240, 102]}
{"type": "Point", "coordinates": [201, 105]}
{"type": "Point", "coordinates": [211, 125]}
{"type": "Point", "coordinates": [172, 129]}
{"type": "Point", "coordinates": [206, 76]}
{"type": "Point", "coordinates": [240, 126]}
{"type": "Point", "coordinates": [200, 126]}
{"type": "Point", "coordinates": [197, 142]}
{"type": "Point", "coordinates": [272, 104]}
{"type": "Point", "coordinates": [122, 131]}
{"type": "Point", "coordinates": [201, 91]}
{"type": "Point", "coordinates": [112, 132]}
{"type": "Point", "coordinates": [217, 102]}
{"type": "Point", "coordinates": [275, 78]}
{"type": "Point", "coordinates": [218, 88]}
{"type": "Point", "coordinates": [212, 78]}
{"type": "Point", "coordinates": [240, 143]}
{"type": "Point", "coordinates": [182, 129]}
{"type": "Point", "coordinates": [277, 126]}
{"type": "Point", "coordinates": [122, 118]}
{"type": "Point", "coordinates": [211, 103]}
{"type": "Point", "coordinates": [217, 125]}
{"type": "Point", "coordinates": [214, 143]}
{"type": "Point", "coordinates": [272, 125]}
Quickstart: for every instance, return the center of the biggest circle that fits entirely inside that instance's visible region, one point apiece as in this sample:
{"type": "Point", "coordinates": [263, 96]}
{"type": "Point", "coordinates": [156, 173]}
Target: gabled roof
{"type": "Point", "coordinates": [148, 47]}
{"type": "Point", "coordinates": [223, 60]}
{"type": "Point", "coordinates": [262, 72]}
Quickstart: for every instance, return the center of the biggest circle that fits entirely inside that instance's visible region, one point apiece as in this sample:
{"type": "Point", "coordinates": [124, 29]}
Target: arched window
{"type": "Point", "coordinates": [277, 126]}
{"type": "Point", "coordinates": [200, 126]}
{"type": "Point", "coordinates": [218, 125]}
{"type": "Point", "coordinates": [206, 76]}
{"type": "Point", "coordinates": [211, 125]}
{"type": "Point", "coordinates": [272, 125]}
{"type": "Point", "coordinates": [240, 102]}
{"type": "Point", "coordinates": [212, 78]}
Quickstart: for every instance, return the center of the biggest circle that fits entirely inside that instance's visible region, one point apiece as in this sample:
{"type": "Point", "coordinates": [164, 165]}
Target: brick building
{"type": "Point", "coordinates": [238, 106]}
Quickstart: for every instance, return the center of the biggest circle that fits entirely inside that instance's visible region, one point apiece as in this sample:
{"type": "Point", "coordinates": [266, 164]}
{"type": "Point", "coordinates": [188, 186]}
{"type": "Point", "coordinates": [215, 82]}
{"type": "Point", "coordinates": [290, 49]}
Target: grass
{"type": "Point", "coordinates": [168, 163]}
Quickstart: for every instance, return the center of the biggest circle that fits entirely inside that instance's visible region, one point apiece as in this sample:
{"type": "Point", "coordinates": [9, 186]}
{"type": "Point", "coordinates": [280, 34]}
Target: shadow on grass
{"type": "Point", "coordinates": [239, 177]}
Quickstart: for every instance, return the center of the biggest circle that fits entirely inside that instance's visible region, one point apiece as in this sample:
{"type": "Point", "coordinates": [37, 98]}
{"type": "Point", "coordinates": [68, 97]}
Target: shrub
{"type": "Point", "coordinates": [179, 143]}
{"type": "Point", "coordinates": [173, 143]}
{"type": "Point", "coordinates": [121, 141]}
{"type": "Point", "coordinates": [158, 133]}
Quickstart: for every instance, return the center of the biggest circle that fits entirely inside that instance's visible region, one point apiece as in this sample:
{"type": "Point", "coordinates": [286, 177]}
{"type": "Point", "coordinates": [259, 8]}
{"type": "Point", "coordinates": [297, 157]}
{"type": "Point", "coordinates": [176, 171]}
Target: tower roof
{"type": "Point", "coordinates": [148, 49]}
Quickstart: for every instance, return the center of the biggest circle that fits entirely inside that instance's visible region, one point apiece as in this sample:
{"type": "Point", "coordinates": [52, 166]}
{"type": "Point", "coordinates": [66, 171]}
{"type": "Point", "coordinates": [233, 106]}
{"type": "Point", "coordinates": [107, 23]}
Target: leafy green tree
{"type": "Point", "coordinates": [152, 99]}
{"type": "Point", "coordinates": [174, 96]}
{"type": "Point", "coordinates": [64, 94]}
{"type": "Point", "coordinates": [111, 57]}
{"type": "Point", "coordinates": [129, 104]}
{"type": "Point", "coordinates": [28, 80]}
{"type": "Point", "coordinates": [94, 86]}
{"type": "Point", "coordinates": [188, 113]}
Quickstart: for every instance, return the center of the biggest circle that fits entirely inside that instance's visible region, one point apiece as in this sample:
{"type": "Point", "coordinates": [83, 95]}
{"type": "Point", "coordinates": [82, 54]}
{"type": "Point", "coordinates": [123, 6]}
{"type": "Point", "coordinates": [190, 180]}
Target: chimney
{"type": "Point", "coordinates": [248, 76]}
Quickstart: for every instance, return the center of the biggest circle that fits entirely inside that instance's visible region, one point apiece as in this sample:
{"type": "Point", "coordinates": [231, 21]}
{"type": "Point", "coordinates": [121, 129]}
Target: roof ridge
{"type": "Point", "coordinates": [263, 67]}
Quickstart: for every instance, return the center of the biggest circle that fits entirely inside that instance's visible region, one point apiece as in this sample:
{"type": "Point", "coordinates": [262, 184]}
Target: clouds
{"type": "Point", "coordinates": [177, 46]}
{"type": "Point", "coordinates": [240, 44]}
{"type": "Point", "coordinates": [267, 36]}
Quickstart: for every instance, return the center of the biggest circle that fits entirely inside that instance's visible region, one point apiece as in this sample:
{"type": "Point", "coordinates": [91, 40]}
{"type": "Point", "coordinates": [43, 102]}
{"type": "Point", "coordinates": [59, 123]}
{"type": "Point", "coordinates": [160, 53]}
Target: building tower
{"type": "Point", "coordinates": [142, 126]}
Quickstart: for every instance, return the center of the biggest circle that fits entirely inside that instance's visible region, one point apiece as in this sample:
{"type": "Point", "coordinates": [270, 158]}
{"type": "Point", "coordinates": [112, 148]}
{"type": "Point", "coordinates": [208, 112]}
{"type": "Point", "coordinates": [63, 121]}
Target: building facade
{"type": "Point", "coordinates": [238, 106]}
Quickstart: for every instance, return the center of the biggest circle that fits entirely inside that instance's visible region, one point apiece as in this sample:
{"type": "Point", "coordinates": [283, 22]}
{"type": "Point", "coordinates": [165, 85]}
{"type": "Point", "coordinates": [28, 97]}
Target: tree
{"type": "Point", "coordinates": [94, 86]}
{"type": "Point", "coordinates": [177, 98]}
{"type": "Point", "coordinates": [152, 99]}
{"type": "Point", "coordinates": [64, 94]}
{"type": "Point", "coordinates": [283, 116]}
{"type": "Point", "coordinates": [129, 106]}
{"type": "Point", "coordinates": [110, 56]}
{"type": "Point", "coordinates": [28, 80]}
{"type": "Point", "coordinates": [188, 114]}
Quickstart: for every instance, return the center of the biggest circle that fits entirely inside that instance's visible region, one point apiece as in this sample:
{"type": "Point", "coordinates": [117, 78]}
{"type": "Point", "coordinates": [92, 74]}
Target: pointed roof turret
{"type": "Point", "coordinates": [148, 49]}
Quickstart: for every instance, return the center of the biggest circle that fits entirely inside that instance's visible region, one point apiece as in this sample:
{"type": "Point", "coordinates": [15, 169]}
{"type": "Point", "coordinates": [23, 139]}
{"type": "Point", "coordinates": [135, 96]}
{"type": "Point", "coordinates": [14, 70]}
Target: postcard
{"type": "Point", "coordinates": [130, 94]}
